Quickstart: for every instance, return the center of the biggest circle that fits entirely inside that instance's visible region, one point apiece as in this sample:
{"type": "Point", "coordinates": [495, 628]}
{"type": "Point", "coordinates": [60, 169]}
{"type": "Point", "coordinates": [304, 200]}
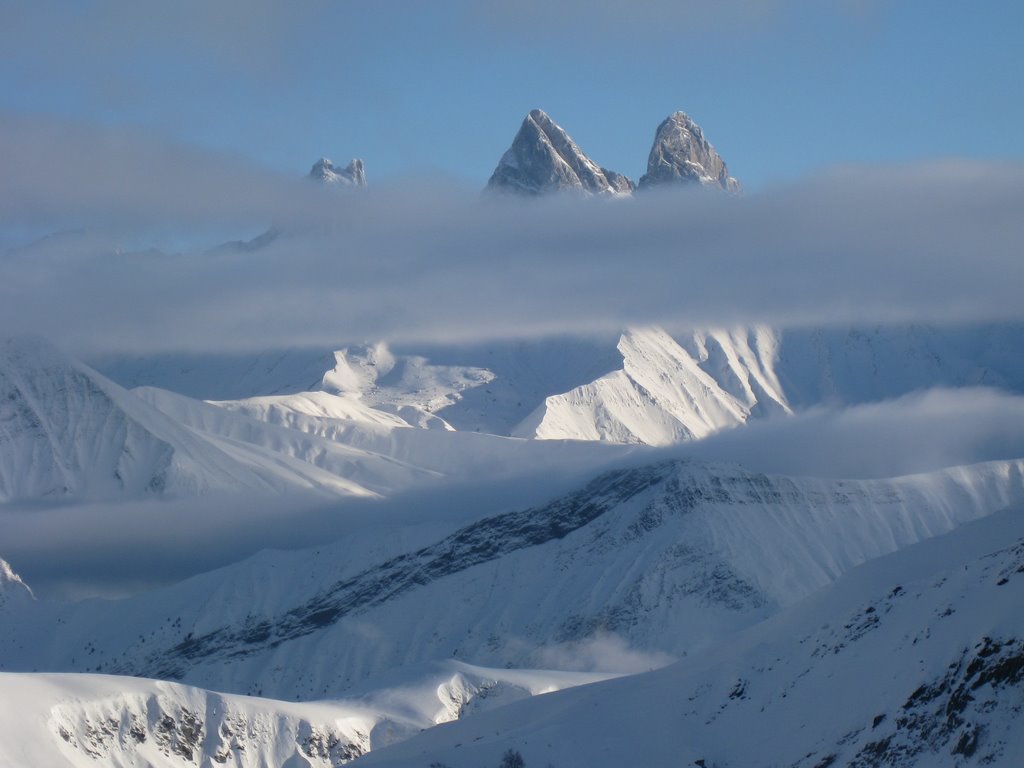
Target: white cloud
{"type": "Point", "coordinates": [934, 242]}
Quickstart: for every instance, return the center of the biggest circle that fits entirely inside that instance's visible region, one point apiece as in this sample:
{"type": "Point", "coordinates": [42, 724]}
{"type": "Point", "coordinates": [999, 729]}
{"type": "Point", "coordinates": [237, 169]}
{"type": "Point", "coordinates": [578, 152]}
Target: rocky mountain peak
{"type": "Point", "coordinates": [352, 175]}
{"type": "Point", "coordinates": [682, 155]}
{"type": "Point", "coordinates": [544, 158]}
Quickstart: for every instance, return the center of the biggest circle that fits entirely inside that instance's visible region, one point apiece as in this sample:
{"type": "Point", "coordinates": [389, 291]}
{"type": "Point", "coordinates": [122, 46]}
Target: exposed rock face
{"type": "Point", "coordinates": [681, 155]}
{"type": "Point", "coordinates": [544, 158]}
{"type": "Point", "coordinates": [352, 175]}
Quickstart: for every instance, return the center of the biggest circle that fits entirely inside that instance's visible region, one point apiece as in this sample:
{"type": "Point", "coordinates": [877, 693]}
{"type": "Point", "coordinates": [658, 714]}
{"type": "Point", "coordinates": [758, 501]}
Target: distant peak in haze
{"type": "Point", "coordinates": [681, 155]}
{"type": "Point", "coordinates": [544, 158]}
{"type": "Point", "coordinates": [352, 175]}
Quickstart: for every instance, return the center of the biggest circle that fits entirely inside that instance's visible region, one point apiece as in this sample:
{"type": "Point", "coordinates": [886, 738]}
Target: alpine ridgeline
{"type": "Point", "coordinates": [544, 158]}
{"type": "Point", "coordinates": [352, 175]}
{"type": "Point", "coordinates": [681, 155]}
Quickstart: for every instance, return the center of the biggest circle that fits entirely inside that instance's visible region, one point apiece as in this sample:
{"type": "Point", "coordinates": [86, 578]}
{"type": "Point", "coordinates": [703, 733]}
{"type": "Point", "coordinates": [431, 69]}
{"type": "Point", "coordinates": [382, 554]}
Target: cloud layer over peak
{"type": "Point", "coordinates": [426, 260]}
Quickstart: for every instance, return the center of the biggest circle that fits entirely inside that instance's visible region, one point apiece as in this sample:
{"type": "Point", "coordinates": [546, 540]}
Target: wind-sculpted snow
{"type": "Point", "coordinates": [669, 558]}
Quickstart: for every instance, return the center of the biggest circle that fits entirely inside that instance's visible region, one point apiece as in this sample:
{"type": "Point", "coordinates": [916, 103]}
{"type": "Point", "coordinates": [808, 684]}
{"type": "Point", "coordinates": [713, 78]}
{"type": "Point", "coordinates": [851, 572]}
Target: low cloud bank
{"type": "Point", "coordinates": [111, 549]}
{"type": "Point", "coordinates": [114, 549]}
{"type": "Point", "coordinates": [919, 432]}
{"type": "Point", "coordinates": [605, 652]}
{"type": "Point", "coordinates": [935, 242]}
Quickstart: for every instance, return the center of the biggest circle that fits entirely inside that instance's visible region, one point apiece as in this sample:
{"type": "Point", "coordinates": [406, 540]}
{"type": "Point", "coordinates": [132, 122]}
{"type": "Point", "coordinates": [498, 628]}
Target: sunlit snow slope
{"type": "Point", "coordinates": [650, 387]}
{"type": "Point", "coordinates": [66, 431]}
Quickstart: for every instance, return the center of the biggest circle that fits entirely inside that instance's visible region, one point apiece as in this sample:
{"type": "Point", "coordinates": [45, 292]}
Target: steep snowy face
{"type": "Point", "coordinates": [910, 661]}
{"type": "Point", "coordinates": [668, 391]}
{"type": "Point", "coordinates": [543, 158]}
{"type": "Point", "coordinates": [352, 175]}
{"type": "Point", "coordinates": [63, 433]}
{"type": "Point", "coordinates": [671, 558]}
{"type": "Point", "coordinates": [66, 431]}
{"type": "Point", "coordinates": [681, 155]}
{"type": "Point", "coordinates": [76, 721]}
{"type": "Point", "coordinates": [87, 720]}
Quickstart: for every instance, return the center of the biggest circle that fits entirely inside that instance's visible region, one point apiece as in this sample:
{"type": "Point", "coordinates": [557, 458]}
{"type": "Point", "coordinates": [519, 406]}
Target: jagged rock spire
{"type": "Point", "coordinates": [681, 155]}
{"type": "Point", "coordinates": [544, 158]}
{"type": "Point", "coordinates": [351, 175]}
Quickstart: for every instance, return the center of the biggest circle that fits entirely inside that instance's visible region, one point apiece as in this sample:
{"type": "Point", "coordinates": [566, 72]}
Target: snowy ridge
{"type": "Point", "coordinates": [663, 394]}
{"type": "Point", "coordinates": [671, 558]}
{"type": "Point", "coordinates": [374, 451]}
{"type": "Point", "coordinates": [909, 661]}
{"type": "Point", "coordinates": [275, 433]}
{"type": "Point", "coordinates": [67, 431]}
{"type": "Point", "coordinates": [86, 720]}
{"type": "Point", "coordinates": [508, 388]}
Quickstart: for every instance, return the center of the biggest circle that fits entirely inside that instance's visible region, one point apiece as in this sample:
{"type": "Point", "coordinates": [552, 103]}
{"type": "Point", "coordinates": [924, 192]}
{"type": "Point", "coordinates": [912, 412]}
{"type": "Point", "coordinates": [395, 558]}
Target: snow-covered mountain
{"type": "Point", "coordinates": [673, 388]}
{"type": "Point", "coordinates": [908, 661]}
{"type": "Point", "coordinates": [670, 558]}
{"type": "Point", "coordinates": [366, 446]}
{"type": "Point", "coordinates": [352, 175]}
{"type": "Point", "coordinates": [666, 393]}
{"type": "Point", "coordinates": [544, 158]}
{"type": "Point", "coordinates": [66, 431]}
{"type": "Point", "coordinates": [81, 721]}
{"type": "Point", "coordinates": [681, 155]}
{"type": "Point", "coordinates": [647, 387]}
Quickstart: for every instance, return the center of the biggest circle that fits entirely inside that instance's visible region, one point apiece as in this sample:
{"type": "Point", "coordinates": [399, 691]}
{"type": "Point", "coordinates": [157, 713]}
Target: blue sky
{"type": "Point", "coordinates": [783, 88]}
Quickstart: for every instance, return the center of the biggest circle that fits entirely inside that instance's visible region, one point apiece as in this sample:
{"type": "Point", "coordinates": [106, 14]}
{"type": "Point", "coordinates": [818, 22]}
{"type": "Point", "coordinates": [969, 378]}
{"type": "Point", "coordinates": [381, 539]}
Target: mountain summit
{"type": "Point", "coordinates": [352, 175]}
{"type": "Point", "coordinates": [544, 158]}
{"type": "Point", "coordinates": [681, 155]}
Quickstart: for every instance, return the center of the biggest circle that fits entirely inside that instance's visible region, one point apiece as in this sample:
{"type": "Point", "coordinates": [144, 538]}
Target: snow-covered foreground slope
{"type": "Point", "coordinates": [916, 659]}
{"type": "Point", "coordinates": [59, 720]}
{"type": "Point", "coordinates": [66, 431]}
{"type": "Point", "coordinates": [669, 558]}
